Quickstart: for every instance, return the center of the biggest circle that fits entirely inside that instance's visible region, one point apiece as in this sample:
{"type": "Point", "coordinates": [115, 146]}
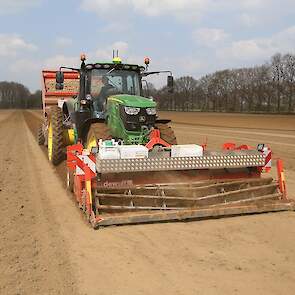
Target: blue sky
{"type": "Point", "coordinates": [189, 37]}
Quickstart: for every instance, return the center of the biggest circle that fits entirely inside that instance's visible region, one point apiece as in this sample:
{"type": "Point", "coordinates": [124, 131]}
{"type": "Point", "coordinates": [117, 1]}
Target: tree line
{"type": "Point", "coordinates": [16, 95]}
{"type": "Point", "coordinates": [266, 88]}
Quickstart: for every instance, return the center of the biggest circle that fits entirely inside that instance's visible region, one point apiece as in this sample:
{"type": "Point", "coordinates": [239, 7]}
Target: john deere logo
{"type": "Point", "coordinates": [141, 118]}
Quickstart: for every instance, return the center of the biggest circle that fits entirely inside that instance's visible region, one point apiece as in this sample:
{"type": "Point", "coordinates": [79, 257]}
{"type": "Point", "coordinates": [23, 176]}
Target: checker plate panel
{"type": "Point", "coordinates": [214, 160]}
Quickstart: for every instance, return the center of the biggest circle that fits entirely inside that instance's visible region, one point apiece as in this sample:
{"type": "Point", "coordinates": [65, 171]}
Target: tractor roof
{"type": "Point", "coordinates": [118, 66]}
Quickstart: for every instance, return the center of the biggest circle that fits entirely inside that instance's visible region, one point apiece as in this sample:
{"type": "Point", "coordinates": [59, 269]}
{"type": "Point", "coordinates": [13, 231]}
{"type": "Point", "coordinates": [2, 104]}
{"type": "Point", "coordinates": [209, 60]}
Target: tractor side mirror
{"type": "Point", "coordinates": [170, 84]}
{"type": "Point", "coordinates": [59, 77]}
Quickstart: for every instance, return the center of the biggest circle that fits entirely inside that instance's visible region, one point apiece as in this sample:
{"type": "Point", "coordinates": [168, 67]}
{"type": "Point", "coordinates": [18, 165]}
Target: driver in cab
{"type": "Point", "coordinates": [100, 89]}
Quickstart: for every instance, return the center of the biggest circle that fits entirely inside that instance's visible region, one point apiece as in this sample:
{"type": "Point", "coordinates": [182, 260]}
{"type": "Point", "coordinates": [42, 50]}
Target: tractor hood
{"type": "Point", "coordinates": [133, 101]}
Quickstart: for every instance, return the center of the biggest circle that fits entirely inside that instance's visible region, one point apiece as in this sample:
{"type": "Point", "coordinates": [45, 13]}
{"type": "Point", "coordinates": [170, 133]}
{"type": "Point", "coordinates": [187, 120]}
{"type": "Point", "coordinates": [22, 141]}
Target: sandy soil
{"type": "Point", "coordinates": [33, 255]}
{"type": "Point", "coordinates": [250, 121]}
{"type": "Point", "coordinates": [46, 247]}
{"type": "Point", "coordinates": [4, 114]}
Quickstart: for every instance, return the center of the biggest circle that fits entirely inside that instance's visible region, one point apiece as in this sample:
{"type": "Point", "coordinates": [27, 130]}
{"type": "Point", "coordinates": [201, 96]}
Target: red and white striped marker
{"type": "Point", "coordinates": [88, 160]}
{"type": "Point", "coordinates": [267, 154]}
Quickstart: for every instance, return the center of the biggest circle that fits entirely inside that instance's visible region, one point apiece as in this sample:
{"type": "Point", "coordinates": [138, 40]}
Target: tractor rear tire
{"type": "Point", "coordinates": [166, 133]}
{"type": "Point", "coordinates": [40, 135]}
{"type": "Point", "coordinates": [96, 132]}
{"type": "Point", "coordinates": [55, 136]}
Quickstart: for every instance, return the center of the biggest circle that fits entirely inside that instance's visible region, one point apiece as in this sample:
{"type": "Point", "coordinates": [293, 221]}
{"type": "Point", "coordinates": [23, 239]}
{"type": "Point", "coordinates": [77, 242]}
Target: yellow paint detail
{"type": "Point", "coordinates": [115, 99]}
{"type": "Point", "coordinates": [91, 143]}
{"type": "Point", "coordinates": [69, 136]}
{"type": "Point", "coordinates": [89, 190]}
{"type": "Point", "coordinates": [283, 176]}
{"type": "Point", "coordinates": [117, 60]}
{"type": "Point", "coordinates": [50, 141]}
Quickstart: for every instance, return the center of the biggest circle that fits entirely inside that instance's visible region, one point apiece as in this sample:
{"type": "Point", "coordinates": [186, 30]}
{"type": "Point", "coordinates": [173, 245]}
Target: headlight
{"type": "Point", "coordinates": [131, 110]}
{"type": "Point", "coordinates": [151, 111]}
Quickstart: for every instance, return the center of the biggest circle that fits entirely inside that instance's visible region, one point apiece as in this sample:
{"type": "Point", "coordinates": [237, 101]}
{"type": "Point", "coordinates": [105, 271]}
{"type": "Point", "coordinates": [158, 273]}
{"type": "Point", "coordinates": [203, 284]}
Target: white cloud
{"type": "Point", "coordinates": [11, 45]}
{"type": "Point", "coordinates": [252, 4]}
{"type": "Point", "coordinates": [62, 42]}
{"type": "Point", "coordinates": [174, 7]}
{"type": "Point", "coordinates": [256, 13]}
{"type": "Point", "coordinates": [54, 62]}
{"type": "Point", "coordinates": [183, 9]}
{"type": "Point", "coordinates": [25, 71]}
{"type": "Point", "coordinates": [58, 60]}
{"type": "Point", "coordinates": [28, 71]}
{"type": "Point", "coordinates": [26, 66]}
{"type": "Point", "coordinates": [190, 66]}
{"type": "Point", "coordinates": [99, 55]}
{"type": "Point", "coordinates": [121, 46]}
{"type": "Point", "coordinates": [248, 20]}
{"type": "Point", "coordinates": [116, 27]}
{"type": "Point", "coordinates": [248, 13]}
{"type": "Point", "coordinates": [14, 6]}
{"type": "Point", "coordinates": [243, 50]}
{"type": "Point", "coordinates": [259, 49]}
{"type": "Point", "coordinates": [186, 10]}
{"type": "Point", "coordinates": [209, 37]}
{"type": "Point", "coordinates": [241, 5]}
{"type": "Point", "coordinates": [106, 54]}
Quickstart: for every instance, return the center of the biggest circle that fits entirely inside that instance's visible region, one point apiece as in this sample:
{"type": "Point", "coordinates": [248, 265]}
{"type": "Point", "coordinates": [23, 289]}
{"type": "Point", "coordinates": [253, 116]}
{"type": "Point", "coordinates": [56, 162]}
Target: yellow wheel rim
{"type": "Point", "coordinates": [91, 143]}
{"type": "Point", "coordinates": [50, 141]}
{"type": "Point", "coordinates": [69, 136]}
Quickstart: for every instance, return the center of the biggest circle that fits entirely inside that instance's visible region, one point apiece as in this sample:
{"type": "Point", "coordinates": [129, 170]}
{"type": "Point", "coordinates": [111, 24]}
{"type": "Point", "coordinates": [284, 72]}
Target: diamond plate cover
{"type": "Point", "coordinates": [212, 160]}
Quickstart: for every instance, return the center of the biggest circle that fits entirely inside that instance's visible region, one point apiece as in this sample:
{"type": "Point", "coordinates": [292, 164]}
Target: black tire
{"type": "Point", "coordinates": [40, 135]}
{"type": "Point", "coordinates": [56, 121]}
{"type": "Point", "coordinates": [97, 131]}
{"type": "Point", "coordinates": [167, 133]}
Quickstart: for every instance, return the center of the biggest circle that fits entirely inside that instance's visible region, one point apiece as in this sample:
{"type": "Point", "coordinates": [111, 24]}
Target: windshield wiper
{"type": "Point", "coordinates": [111, 70]}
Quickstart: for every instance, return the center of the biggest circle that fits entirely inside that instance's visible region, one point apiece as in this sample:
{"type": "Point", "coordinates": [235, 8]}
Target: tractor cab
{"type": "Point", "coordinates": [112, 93]}
{"type": "Point", "coordinates": [103, 80]}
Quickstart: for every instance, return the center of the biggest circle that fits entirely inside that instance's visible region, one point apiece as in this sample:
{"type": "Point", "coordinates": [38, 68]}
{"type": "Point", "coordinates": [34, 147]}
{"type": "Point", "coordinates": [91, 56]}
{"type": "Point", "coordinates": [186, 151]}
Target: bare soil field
{"type": "Point", "coordinates": [234, 120]}
{"type": "Point", "coordinates": [4, 114]}
{"type": "Point", "coordinates": [46, 246]}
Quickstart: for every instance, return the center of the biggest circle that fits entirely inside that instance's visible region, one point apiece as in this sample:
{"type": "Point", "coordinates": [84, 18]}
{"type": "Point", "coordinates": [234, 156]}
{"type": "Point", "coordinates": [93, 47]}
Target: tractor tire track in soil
{"type": "Point", "coordinates": [33, 121]}
{"type": "Point", "coordinates": [33, 253]}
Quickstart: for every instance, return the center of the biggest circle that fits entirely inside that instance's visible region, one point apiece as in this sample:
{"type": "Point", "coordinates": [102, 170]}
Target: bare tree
{"type": "Point", "coordinates": [15, 95]}
{"type": "Point", "coordinates": [266, 88]}
{"type": "Point", "coordinates": [288, 75]}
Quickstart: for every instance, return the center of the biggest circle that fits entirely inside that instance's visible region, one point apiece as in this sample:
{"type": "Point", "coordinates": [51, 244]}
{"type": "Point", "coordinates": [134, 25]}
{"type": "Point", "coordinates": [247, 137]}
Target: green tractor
{"type": "Point", "coordinates": [132, 178]}
{"type": "Point", "coordinates": [109, 104]}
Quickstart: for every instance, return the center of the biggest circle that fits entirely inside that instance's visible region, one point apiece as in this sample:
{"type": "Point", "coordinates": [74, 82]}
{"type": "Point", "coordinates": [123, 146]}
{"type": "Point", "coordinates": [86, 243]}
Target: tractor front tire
{"type": "Point", "coordinates": [166, 133]}
{"type": "Point", "coordinates": [55, 136]}
{"type": "Point", "coordinates": [96, 132]}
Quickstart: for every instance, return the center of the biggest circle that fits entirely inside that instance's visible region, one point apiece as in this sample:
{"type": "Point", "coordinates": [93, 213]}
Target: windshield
{"type": "Point", "coordinates": [121, 81]}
